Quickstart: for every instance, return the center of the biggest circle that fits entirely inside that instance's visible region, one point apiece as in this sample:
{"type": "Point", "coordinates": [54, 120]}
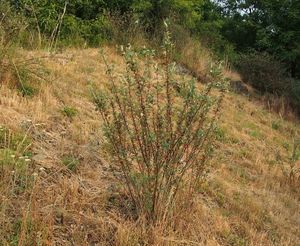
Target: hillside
{"type": "Point", "coordinates": [61, 192]}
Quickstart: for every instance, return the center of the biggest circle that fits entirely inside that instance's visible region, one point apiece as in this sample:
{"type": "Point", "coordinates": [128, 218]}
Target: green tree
{"type": "Point", "coordinates": [153, 12]}
{"type": "Point", "coordinates": [265, 25]}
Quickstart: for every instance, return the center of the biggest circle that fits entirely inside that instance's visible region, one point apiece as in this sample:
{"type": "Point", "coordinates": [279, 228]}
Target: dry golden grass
{"type": "Point", "coordinates": [247, 199]}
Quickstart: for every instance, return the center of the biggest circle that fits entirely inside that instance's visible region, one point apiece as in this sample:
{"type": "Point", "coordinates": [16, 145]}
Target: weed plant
{"type": "Point", "coordinates": [69, 112]}
{"type": "Point", "coordinates": [14, 158]}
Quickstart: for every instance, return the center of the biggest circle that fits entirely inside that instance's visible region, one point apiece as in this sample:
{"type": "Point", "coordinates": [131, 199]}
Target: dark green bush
{"type": "Point", "coordinates": [92, 32]}
{"type": "Point", "coordinates": [263, 72]}
{"type": "Point", "coordinates": [69, 112]}
{"type": "Point", "coordinates": [12, 24]}
{"type": "Point", "coordinates": [294, 94]}
{"type": "Point", "coordinates": [268, 75]}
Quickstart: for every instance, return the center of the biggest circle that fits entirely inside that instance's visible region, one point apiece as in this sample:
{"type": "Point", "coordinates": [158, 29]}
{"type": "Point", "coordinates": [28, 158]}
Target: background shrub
{"type": "Point", "coordinates": [263, 72]}
{"type": "Point", "coordinates": [294, 94]}
{"type": "Point", "coordinates": [269, 75]}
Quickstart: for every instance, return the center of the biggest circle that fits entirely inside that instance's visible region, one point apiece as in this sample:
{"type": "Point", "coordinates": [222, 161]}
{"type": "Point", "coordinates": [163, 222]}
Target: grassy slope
{"type": "Point", "coordinates": [246, 201]}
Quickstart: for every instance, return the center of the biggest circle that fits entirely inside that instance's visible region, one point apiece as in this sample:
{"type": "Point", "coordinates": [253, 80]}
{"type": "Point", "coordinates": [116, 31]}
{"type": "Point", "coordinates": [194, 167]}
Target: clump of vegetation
{"type": "Point", "coordinates": [17, 181]}
{"type": "Point", "coordinates": [15, 157]}
{"type": "Point", "coordinates": [158, 131]}
{"type": "Point", "coordinates": [276, 125]}
{"type": "Point", "coordinates": [269, 75]}
{"type": "Point", "coordinates": [69, 112]}
{"type": "Point", "coordinates": [71, 162]}
{"type": "Point", "coordinates": [263, 72]}
{"type": "Point", "coordinates": [28, 90]}
{"type": "Point", "coordinates": [294, 170]}
{"type": "Point", "coordinates": [15, 70]}
{"type": "Point", "coordinates": [294, 95]}
{"type": "Point", "coordinates": [291, 171]}
{"type": "Point", "coordinates": [24, 75]}
{"type": "Point", "coordinates": [14, 141]}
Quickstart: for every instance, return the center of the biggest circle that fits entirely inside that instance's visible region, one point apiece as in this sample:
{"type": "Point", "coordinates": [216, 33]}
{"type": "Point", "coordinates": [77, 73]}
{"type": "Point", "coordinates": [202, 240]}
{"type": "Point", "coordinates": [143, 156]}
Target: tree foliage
{"type": "Point", "coordinates": [272, 26]}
